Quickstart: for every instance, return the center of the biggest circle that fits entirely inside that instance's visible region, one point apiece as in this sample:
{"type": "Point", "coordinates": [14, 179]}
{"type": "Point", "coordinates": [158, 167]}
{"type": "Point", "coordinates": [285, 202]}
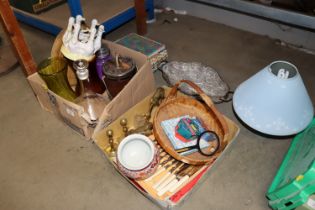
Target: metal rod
{"type": "Point", "coordinates": [258, 10]}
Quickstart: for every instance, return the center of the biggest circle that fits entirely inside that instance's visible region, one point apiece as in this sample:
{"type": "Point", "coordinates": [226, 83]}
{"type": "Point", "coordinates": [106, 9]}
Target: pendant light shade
{"type": "Point", "coordinates": [274, 101]}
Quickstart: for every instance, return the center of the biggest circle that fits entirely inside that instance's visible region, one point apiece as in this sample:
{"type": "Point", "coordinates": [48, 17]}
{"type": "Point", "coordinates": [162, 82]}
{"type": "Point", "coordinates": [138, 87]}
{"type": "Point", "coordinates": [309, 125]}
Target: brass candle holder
{"type": "Point", "coordinates": [145, 127]}
{"type": "Point", "coordinates": [123, 123]}
{"type": "Point", "coordinates": [155, 101]}
{"type": "Point", "coordinates": [112, 147]}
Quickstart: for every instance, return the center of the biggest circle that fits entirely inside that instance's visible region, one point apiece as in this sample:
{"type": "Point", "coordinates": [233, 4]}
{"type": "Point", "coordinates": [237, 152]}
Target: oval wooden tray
{"type": "Point", "coordinates": [176, 106]}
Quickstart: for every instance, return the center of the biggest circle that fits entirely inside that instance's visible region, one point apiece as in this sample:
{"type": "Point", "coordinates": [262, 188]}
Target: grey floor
{"type": "Point", "coordinates": [46, 165]}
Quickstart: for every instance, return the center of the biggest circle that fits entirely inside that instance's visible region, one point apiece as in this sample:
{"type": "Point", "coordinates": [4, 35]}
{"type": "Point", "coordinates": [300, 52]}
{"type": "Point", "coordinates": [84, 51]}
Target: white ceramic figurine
{"type": "Point", "coordinates": [79, 41]}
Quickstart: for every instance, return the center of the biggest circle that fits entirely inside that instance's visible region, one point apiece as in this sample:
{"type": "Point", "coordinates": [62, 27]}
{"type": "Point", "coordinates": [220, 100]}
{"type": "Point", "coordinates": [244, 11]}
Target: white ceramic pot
{"type": "Point", "coordinates": [137, 156]}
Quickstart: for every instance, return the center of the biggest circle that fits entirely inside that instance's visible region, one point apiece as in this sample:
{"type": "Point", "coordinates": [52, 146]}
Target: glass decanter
{"type": "Point", "coordinates": [93, 103]}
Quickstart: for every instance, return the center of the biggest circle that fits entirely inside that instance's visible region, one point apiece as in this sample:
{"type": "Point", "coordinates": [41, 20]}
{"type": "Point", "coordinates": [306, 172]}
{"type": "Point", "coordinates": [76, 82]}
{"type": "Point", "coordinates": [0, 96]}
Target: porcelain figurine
{"type": "Point", "coordinates": [79, 41]}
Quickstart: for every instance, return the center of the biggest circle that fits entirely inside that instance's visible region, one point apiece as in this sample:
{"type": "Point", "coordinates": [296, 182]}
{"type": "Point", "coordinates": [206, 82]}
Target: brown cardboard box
{"type": "Point", "coordinates": [139, 87]}
{"type": "Point", "coordinates": [168, 200]}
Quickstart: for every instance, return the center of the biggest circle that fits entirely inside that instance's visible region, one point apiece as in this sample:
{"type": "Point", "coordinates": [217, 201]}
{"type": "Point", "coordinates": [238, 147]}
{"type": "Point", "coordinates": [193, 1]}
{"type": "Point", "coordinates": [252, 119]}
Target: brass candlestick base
{"type": "Point", "coordinates": [145, 127]}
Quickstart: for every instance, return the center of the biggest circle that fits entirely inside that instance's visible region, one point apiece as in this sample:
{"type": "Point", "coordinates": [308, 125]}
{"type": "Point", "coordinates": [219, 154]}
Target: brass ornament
{"type": "Point", "coordinates": [112, 147]}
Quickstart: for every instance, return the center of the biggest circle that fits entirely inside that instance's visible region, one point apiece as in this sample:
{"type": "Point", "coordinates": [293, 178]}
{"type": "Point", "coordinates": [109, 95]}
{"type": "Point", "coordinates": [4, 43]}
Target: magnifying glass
{"type": "Point", "coordinates": [208, 143]}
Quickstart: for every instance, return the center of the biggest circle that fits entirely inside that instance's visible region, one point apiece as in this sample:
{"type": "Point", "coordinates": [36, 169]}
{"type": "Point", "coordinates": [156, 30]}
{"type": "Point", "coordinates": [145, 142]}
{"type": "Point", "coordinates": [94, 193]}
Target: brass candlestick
{"type": "Point", "coordinates": [156, 100]}
{"type": "Point", "coordinates": [145, 127]}
{"type": "Point", "coordinates": [111, 149]}
{"type": "Point", "coordinates": [123, 123]}
{"type": "Point", "coordinates": [144, 130]}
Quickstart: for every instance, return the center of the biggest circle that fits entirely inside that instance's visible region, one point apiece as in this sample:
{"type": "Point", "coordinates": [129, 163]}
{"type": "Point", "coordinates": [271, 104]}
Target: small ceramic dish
{"type": "Point", "coordinates": [137, 156]}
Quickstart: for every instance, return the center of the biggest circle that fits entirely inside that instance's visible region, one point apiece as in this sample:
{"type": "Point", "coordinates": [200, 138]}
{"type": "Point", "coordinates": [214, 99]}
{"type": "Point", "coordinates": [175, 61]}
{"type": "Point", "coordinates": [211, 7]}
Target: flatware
{"type": "Point", "coordinates": [172, 176]}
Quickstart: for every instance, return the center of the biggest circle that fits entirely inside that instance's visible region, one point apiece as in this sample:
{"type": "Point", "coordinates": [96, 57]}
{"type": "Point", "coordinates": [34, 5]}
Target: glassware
{"type": "Point", "coordinates": [102, 56]}
{"type": "Point", "coordinates": [92, 102]}
{"type": "Point", "coordinates": [96, 84]}
{"type": "Point", "coordinates": [117, 73]}
{"type": "Point", "coordinates": [54, 72]}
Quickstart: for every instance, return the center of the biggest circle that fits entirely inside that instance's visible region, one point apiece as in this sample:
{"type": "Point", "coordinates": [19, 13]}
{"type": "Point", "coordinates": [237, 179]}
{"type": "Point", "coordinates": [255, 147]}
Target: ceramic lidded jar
{"type": "Point", "coordinates": [117, 73]}
{"type": "Point", "coordinates": [137, 156]}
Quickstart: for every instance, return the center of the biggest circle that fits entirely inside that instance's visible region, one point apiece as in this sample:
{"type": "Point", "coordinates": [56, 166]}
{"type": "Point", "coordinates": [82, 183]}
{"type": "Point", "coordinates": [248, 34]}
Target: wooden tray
{"type": "Point", "coordinates": [174, 106]}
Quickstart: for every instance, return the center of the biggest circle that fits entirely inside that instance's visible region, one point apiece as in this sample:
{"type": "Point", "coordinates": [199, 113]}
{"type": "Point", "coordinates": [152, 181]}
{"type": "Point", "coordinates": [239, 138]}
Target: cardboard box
{"type": "Point", "coordinates": [168, 200]}
{"type": "Point", "coordinates": [138, 87]}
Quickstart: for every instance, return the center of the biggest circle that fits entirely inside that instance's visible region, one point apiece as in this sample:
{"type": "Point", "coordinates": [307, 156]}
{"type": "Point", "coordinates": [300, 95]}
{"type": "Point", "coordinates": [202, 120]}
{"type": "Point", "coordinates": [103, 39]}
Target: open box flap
{"type": "Point", "coordinates": [40, 90]}
{"type": "Point", "coordinates": [143, 84]}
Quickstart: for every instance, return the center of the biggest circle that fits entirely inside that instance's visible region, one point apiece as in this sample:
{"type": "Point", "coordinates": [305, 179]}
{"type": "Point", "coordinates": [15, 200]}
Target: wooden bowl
{"type": "Point", "coordinates": [174, 107]}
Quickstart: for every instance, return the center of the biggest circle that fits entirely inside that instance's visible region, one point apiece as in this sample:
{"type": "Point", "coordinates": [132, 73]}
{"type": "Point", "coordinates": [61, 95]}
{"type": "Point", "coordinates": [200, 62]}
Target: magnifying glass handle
{"type": "Point", "coordinates": [186, 149]}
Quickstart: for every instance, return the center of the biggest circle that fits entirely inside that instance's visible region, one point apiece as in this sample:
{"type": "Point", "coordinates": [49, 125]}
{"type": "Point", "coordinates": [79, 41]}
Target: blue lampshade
{"type": "Point", "coordinates": [274, 101]}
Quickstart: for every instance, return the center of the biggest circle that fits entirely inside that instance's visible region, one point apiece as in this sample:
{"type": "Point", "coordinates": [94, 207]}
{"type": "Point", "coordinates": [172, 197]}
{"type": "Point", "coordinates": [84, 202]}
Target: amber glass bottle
{"type": "Point", "coordinates": [96, 84]}
{"type": "Point", "coordinates": [92, 102]}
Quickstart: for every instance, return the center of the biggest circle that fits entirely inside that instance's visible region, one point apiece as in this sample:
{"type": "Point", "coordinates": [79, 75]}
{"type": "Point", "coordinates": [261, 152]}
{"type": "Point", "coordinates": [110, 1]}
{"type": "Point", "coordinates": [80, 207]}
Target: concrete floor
{"type": "Point", "coordinates": [46, 165]}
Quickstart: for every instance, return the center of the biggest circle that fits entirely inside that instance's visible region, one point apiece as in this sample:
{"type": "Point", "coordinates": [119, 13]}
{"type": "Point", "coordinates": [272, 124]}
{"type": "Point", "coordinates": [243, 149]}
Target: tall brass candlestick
{"type": "Point", "coordinates": [111, 149]}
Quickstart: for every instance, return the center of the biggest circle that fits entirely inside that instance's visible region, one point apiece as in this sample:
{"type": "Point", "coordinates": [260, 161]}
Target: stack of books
{"type": "Point", "coordinates": [169, 127]}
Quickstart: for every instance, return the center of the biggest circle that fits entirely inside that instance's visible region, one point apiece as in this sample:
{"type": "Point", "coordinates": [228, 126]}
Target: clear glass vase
{"type": "Point", "coordinates": [54, 72]}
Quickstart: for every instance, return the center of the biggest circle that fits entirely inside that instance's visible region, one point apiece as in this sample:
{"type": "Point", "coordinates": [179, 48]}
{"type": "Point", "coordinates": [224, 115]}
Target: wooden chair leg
{"type": "Point", "coordinates": [141, 17]}
{"type": "Point", "coordinates": [15, 35]}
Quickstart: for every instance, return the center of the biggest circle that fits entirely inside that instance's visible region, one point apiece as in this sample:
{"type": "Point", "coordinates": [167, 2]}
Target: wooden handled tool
{"type": "Point", "coordinates": [168, 168]}
{"type": "Point", "coordinates": [160, 169]}
{"type": "Point", "coordinates": [180, 181]}
{"type": "Point", "coordinates": [172, 176]}
{"type": "Point", "coordinates": [164, 188]}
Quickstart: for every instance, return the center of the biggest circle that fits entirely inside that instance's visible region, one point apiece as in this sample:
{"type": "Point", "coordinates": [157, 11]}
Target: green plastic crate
{"type": "Point", "coordinates": [293, 200]}
{"type": "Point", "coordinates": [295, 179]}
{"type": "Point", "coordinates": [309, 205]}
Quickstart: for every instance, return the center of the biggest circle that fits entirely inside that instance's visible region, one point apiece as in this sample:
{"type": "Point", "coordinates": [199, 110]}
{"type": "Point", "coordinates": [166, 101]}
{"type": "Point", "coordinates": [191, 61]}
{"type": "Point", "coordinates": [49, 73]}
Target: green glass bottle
{"type": "Point", "coordinates": [54, 72]}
